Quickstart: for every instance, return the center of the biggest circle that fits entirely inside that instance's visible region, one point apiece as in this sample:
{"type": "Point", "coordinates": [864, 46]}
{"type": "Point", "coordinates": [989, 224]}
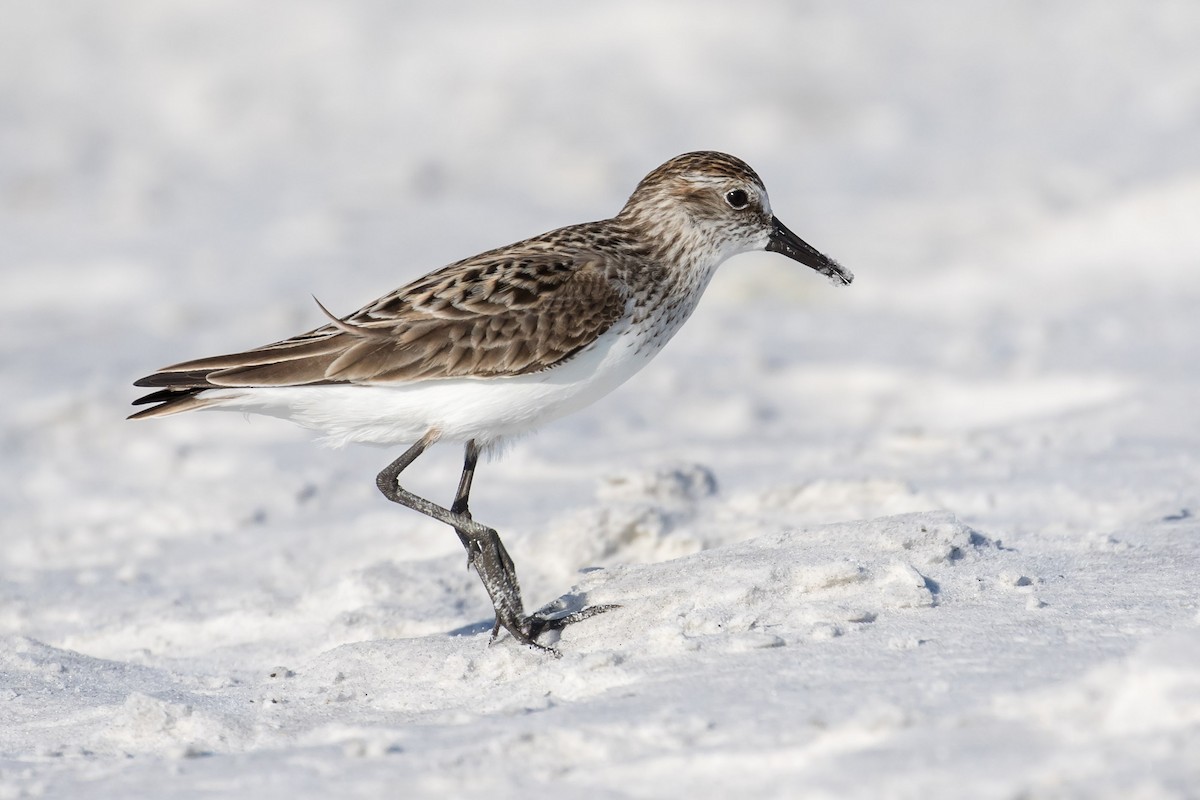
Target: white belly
{"type": "Point", "coordinates": [484, 409]}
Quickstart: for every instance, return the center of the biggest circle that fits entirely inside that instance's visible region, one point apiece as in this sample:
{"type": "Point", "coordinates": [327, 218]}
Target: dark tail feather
{"type": "Point", "coordinates": [165, 396]}
{"type": "Point", "coordinates": [189, 379]}
{"type": "Point", "coordinates": [170, 401]}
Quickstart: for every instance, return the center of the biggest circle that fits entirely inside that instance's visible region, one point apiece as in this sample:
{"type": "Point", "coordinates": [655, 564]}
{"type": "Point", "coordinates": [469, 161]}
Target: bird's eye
{"type": "Point", "coordinates": [737, 199]}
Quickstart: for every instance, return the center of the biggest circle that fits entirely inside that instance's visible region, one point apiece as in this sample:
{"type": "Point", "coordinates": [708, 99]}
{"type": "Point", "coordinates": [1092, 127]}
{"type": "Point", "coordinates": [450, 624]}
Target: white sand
{"type": "Point", "coordinates": [931, 535]}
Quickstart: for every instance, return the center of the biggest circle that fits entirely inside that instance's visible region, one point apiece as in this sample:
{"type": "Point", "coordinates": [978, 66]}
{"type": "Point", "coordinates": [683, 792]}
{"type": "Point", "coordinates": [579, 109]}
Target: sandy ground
{"type": "Point", "coordinates": [932, 535]}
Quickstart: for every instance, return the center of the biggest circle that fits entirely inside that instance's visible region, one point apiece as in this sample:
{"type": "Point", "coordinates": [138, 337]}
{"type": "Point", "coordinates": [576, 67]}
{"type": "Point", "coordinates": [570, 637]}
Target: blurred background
{"type": "Point", "coordinates": [161, 162]}
{"type": "Point", "coordinates": [1015, 184]}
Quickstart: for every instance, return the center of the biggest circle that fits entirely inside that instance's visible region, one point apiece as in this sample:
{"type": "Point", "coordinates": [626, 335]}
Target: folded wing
{"type": "Point", "coordinates": [489, 316]}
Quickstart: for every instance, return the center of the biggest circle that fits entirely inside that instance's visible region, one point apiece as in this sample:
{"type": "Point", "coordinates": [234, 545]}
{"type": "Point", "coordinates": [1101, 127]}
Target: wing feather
{"type": "Point", "coordinates": [509, 312]}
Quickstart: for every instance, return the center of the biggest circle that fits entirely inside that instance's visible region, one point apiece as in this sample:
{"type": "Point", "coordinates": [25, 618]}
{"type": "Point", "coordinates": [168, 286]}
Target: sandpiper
{"type": "Point", "coordinates": [500, 343]}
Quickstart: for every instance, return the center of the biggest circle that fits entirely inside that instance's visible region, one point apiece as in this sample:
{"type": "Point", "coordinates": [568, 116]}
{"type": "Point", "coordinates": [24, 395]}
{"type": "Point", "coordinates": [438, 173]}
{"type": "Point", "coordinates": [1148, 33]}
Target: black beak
{"type": "Point", "coordinates": [784, 241]}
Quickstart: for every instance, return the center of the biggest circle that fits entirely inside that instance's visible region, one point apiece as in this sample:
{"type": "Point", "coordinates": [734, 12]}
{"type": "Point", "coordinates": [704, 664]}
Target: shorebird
{"type": "Point", "coordinates": [498, 344]}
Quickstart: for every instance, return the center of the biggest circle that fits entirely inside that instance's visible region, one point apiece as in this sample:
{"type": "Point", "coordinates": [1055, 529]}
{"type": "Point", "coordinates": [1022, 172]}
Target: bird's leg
{"type": "Point", "coordinates": [461, 507]}
{"type": "Point", "coordinates": [485, 551]}
{"type": "Point", "coordinates": [491, 561]}
{"type": "Point", "coordinates": [463, 496]}
{"type": "Point", "coordinates": [535, 624]}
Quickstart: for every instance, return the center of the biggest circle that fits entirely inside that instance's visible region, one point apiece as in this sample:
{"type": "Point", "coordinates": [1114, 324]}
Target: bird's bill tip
{"type": "Point", "coordinates": [789, 244]}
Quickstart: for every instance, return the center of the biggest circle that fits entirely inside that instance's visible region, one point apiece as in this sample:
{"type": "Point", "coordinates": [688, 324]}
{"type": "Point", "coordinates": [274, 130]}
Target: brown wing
{"type": "Point", "coordinates": [509, 312]}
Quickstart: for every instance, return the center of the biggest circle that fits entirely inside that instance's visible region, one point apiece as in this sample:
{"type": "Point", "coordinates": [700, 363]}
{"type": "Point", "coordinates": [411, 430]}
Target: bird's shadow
{"type": "Point", "coordinates": [473, 629]}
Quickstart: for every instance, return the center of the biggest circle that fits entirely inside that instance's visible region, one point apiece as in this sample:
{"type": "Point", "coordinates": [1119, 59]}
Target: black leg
{"type": "Point", "coordinates": [485, 551]}
{"type": "Point", "coordinates": [461, 507]}
{"type": "Point", "coordinates": [463, 496]}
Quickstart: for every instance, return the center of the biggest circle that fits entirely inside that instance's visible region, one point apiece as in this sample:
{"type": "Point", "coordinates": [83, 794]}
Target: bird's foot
{"type": "Point", "coordinates": [486, 553]}
{"type": "Point", "coordinates": [541, 621]}
{"type": "Point", "coordinates": [527, 630]}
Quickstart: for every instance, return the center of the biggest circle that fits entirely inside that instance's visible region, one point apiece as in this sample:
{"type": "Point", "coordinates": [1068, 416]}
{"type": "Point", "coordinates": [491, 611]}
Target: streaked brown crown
{"type": "Point", "coordinates": [699, 165]}
{"type": "Point", "coordinates": [691, 180]}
